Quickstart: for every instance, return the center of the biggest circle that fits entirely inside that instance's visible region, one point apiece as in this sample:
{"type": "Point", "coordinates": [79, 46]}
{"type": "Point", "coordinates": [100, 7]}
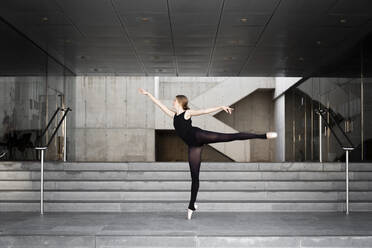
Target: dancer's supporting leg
{"type": "Point", "coordinates": [194, 156]}
{"type": "Point", "coordinates": [206, 137]}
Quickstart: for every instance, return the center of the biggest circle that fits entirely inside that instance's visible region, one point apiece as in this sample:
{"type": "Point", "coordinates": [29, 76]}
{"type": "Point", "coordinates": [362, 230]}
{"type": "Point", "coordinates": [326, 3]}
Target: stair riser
{"type": "Point", "coordinates": [181, 207]}
{"type": "Point", "coordinates": [158, 166]}
{"type": "Point", "coordinates": [185, 185]}
{"type": "Point", "coordinates": [179, 196]}
{"type": "Point", "coordinates": [175, 175]}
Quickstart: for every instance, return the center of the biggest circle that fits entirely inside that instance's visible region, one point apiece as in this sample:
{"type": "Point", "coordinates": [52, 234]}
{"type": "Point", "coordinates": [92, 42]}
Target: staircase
{"type": "Point", "coordinates": [165, 186]}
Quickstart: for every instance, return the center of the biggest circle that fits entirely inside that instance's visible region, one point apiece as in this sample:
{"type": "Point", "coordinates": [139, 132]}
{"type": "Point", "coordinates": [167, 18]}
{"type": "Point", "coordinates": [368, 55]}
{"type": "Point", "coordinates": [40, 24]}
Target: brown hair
{"type": "Point", "coordinates": [183, 101]}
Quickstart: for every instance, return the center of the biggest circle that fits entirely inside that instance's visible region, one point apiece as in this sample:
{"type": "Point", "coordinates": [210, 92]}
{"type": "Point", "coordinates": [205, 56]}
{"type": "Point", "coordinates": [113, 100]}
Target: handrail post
{"type": "Point", "coordinates": [42, 149]}
{"type": "Point", "coordinates": [320, 139]}
{"type": "Point", "coordinates": [65, 138]}
{"type": "Point", "coordinates": [347, 150]}
{"type": "Point", "coordinates": [347, 181]}
{"type": "Point", "coordinates": [319, 112]}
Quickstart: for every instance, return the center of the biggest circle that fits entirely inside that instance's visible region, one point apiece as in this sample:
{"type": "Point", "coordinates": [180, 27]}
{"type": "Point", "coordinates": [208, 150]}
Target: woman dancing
{"type": "Point", "coordinates": [196, 137]}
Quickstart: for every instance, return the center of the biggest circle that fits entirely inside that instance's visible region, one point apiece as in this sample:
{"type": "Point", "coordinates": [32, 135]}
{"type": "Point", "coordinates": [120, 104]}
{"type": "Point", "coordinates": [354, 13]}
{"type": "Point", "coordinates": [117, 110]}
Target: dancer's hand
{"type": "Point", "coordinates": [227, 109]}
{"type": "Point", "coordinates": [142, 91]}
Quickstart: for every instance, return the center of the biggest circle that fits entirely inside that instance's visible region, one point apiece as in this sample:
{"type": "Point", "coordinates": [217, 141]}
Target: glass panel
{"type": "Point", "coordinates": [367, 134]}
{"type": "Point", "coordinates": [32, 86]}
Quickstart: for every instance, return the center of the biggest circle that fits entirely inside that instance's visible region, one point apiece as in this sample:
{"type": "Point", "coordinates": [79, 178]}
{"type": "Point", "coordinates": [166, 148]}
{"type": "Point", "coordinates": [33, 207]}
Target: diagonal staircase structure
{"type": "Point", "coordinates": [227, 92]}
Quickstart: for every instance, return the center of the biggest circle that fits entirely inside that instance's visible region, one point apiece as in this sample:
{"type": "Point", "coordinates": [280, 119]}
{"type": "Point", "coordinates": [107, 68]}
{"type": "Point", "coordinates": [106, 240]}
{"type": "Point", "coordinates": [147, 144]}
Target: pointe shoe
{"type": "Point", "coordinates": [271, 135]}
{"type": "Point", "coordinates": [189, 213]}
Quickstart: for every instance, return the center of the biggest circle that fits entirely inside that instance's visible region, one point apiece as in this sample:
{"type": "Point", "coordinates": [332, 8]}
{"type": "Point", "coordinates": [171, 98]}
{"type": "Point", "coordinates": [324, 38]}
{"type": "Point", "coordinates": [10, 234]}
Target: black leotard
{"type": "Point", "coordinates": [185, 130]}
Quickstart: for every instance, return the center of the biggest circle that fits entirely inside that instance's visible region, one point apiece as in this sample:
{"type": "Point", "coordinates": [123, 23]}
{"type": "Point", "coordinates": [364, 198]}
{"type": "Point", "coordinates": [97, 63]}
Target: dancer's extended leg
{"type": "Point", "coordinates": [194, 156]}
{"type": "Point", "coordinates": [206, 137]}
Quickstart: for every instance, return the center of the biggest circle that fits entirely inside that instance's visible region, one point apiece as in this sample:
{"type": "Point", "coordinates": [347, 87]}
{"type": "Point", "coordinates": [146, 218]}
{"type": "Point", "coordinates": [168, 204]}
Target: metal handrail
{"type": "Point", "coordinates": [59, 124]}
{"type": "Point", "coordinates": [43, 148]}
{"type": "Point", "coordinates": [48, 125]}
{"type": "Point", "coordinates": [346, 148]}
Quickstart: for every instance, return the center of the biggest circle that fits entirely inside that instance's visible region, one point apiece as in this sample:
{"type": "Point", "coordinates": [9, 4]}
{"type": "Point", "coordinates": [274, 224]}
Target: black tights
{"type": "Point", "coordinates": [194, 153]}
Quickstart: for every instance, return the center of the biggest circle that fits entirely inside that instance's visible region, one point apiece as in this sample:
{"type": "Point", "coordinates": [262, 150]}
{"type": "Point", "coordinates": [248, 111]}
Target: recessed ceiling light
{"type": "Point", "coordinates": [244, 19]}
{"type": "Point", "coordinates": [343, 20]}
{"type": "Point", "coordinates": [237, 42]}
{"type": "Point", "coordinates": [44, 19]}
{"type": "Point", "coordinates": [145, 19]}
{"type": "Point", "coordinates": [318, 42]}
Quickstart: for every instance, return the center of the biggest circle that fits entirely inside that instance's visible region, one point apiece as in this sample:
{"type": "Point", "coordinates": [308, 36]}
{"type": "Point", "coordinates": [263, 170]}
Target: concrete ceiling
{"type": "Point", "coordinates": [192, 37]}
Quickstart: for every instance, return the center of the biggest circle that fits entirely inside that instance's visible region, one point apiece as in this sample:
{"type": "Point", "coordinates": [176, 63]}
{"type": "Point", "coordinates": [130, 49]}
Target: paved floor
{"type": "Point", "coordinates": [176, 224]}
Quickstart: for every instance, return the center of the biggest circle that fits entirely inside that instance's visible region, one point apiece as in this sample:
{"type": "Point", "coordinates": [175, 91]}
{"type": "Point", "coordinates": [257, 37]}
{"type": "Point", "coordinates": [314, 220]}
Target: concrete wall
{"type": "Point", "coordinates": [113, 122]}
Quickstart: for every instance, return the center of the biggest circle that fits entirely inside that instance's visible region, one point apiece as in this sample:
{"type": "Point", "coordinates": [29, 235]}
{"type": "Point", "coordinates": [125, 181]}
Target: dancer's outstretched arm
{"type": "Point", "coordinates": [157, 102]}
{"type": "Point", "coordinates": [209, 110]}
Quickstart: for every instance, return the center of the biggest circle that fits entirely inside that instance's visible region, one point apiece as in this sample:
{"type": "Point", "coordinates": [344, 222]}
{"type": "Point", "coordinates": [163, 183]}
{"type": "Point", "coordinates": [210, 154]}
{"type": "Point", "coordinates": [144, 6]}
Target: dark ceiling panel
{"type": "Point", "coordinates": [41, 6]}
{"type": "Point", "coordinates": [305, 6]}
{"type": "Point", "coordinates": [205, 6]}
{"type": "Point", "coordinates": [40, 18]}
{"type": "Point", "coordinates": [140, 6]}
{"type": "Point", "coordinates": [251, 6]}
{"type": "Point", "coordinates": [101, 31]}
{"type": "Point", "coordinates": [354, 7]}
{"type": "Point", "coordinates": [193, 58]}
{"type": "Point", "coordinates": [201, 31]}
{"type": "Point", "coordinates": [242, 18]}
{"type": "Point", "coordinates": [144, 19]}
{"type": "Point", "coordinates": [236, 52]}
{"type": "Point", "coordinates": [202, 41]}
{"type": "Point", "coordinates": [182, 37]}
{"type": "Point", "coordinates": [89, 12]}
{"type": "Point", "coordinates": [189, 19]}
{"type": "Point", "coordinates": [192, 51]}
{"type": "Point", "coordinates": [113, 42]}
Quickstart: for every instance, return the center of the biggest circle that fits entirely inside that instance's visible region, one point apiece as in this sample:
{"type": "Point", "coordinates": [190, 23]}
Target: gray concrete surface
{"type": "Point", "coordinates": [148, 186]}
{"type": "Point", "coordinates": [163, 229]}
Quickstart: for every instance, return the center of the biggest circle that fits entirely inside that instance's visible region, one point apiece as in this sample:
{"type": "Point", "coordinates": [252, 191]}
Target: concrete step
{"type": "Point", "coordinates": [185, 185]}
{"type": "Point", "coordinates": [184, 175]}
{"type": "Point", "coordinates": [170, 195]}
{"type": "Point", "coordinates": [157, 206]}
{"type": "Point", "coordinates": [182, 166]}
{"type": "Point", "coordinates": [165, 186]}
